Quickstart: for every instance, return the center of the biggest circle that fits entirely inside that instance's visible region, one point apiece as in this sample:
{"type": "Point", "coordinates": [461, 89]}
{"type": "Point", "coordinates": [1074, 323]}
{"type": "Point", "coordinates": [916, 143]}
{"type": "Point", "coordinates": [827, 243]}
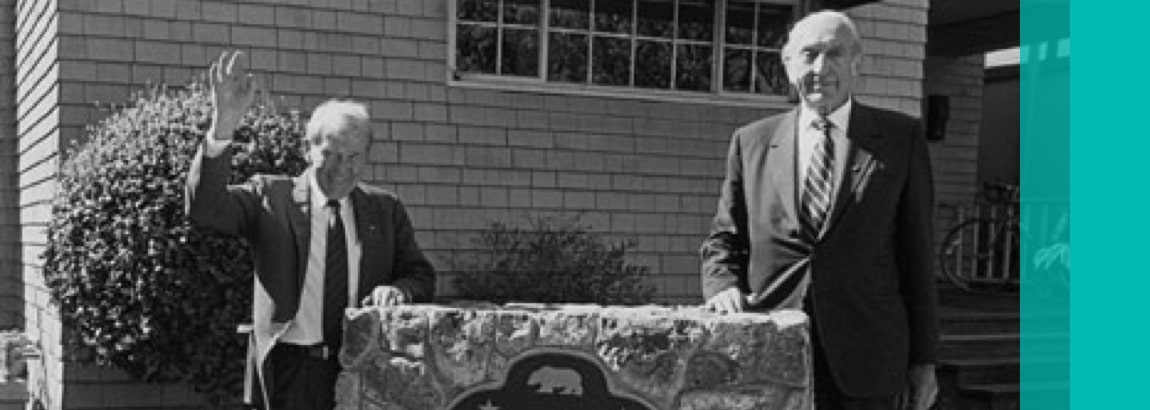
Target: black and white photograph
{"type": "Point", "coordinates": [527, 204]}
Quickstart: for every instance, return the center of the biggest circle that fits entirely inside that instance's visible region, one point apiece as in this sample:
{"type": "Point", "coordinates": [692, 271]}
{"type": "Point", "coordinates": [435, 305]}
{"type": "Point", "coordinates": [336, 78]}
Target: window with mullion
{"type": "Point", "coordinates": [500, 37]}
{"type": "Point", "coordinates": [611, 38]}
{"type": "Point", "coordinates": [654, 43]}
{"type": "Point", "coordinates": [753, 38]}
{"type": "Point", "coordinates": [694, 45]}
{"type": "Point", "coordinates": [568, 41]}
{"type": "Point", "coordinates": [684, 45]}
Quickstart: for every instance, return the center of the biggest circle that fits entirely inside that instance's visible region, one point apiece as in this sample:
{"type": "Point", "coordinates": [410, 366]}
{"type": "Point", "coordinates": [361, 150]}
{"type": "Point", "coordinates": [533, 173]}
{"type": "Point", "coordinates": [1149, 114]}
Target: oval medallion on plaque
{"type": "Point", "coordinates": [550, 380]}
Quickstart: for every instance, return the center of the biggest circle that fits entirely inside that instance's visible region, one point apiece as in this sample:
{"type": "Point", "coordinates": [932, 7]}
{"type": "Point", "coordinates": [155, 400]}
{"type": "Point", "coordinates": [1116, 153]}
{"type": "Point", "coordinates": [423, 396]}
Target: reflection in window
{"type": "Point", "coordinates": [476, 49]}
{"type": "Point", "coordinates": [651, 64]}
{"type": "Point", "coordinates": [696, 19]}
{"type": "Point", "coordinates": [520, 52]}
{"type": "Point", "coordinates": [656, 18]}
{"type": "Point", "coordinates": [737, 70]}
{"type": "Point", "coordinates": [613, 16]}
{"type": "Point", "coordinates": [567, 58]}
{"type": "Point", "coordinates": [770, 77]}
{"type": "Point", "coordinates": [478, 10]}
{"type": "Point", "coordinates": [570, 14]}
{"type": "Point", "coordinates": [612, 59]}
{"type": "Point", "coordinates": [693, 68]}
{"type": "Point", "coordinates": [723, 46]}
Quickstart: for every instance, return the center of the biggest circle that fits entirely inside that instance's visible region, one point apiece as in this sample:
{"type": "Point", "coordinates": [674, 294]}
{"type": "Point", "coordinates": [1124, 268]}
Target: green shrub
{"type": "Point", "coordinates": [139, 288]}
{"type": "Point", "coordinates": [551, 261]}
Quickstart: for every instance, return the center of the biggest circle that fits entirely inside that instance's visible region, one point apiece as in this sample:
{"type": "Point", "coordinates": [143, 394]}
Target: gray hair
{"type": "Point", "coordinates": [335, 115]}
{"type": "Point", "coordinates": [842, 19]}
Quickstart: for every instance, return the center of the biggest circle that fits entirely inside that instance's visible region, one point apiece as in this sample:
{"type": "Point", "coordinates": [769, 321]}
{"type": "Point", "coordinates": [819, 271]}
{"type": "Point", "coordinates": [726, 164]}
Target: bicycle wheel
{"type": "Point", "coordinates": [1007, 256]}
{"type": "Point", "coordinates": [981, 255]}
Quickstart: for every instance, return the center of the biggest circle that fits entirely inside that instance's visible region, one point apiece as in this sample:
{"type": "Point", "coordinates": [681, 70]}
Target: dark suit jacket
{"type": "Point", "coordinates": [272, 213]}
{"type": "Point", "coordinates": [872, 284]}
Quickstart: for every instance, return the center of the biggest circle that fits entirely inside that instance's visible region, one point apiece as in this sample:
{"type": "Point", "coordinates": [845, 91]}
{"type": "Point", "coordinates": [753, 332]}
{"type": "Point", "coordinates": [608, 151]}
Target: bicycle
{"type": "Point", "coordinates": [981, 252]}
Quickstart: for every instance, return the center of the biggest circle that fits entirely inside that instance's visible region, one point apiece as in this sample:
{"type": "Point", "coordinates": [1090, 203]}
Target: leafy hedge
{"type": "Point", "coordinates": [551, 261]}
{"type": "Point", "coordinates": [136, 284]}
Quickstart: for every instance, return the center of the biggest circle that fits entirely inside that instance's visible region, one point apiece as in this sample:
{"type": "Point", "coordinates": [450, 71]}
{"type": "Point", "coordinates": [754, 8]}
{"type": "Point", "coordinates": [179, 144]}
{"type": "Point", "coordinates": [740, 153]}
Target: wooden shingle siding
{"type": "Point", "coordinates": [459, 155]}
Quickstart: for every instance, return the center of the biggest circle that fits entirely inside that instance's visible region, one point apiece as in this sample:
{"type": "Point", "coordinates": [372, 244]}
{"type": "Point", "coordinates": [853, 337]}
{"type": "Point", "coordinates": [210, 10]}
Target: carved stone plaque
{"type": "Point", "coordinates": [550, 381]}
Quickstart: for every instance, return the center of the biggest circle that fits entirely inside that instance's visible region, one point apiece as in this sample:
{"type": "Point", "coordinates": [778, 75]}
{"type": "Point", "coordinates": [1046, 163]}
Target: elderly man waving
{"type": "Point", "coordinates": [322, 241]}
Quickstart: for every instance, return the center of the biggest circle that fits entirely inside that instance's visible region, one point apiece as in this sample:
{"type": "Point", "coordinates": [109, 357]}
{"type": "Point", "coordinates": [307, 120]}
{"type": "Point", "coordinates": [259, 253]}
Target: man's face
{"type": "Point", "coordinates": [339, 160]}
{"type": "Point", "coordinates": [822, 64]}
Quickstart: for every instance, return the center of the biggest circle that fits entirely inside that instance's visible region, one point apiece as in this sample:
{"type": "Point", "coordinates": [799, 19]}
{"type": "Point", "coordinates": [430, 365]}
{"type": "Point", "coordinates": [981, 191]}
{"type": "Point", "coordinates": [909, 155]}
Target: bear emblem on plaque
{"type": "Point", "coordinates": [550, 381]}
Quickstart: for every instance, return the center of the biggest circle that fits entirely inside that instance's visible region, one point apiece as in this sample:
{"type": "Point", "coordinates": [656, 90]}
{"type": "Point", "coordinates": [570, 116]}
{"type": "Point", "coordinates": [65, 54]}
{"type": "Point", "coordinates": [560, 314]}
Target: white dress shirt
{"type": "Point", "coordinates": [307, 327]}
{"type": "Point", "coordinates": [809, 137]}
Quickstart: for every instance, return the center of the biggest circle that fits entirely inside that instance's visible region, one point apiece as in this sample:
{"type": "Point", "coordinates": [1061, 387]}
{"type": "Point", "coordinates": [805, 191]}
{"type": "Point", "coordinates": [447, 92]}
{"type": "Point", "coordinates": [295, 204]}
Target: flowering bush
{"type": "Point", "coordinates": [138, 287]}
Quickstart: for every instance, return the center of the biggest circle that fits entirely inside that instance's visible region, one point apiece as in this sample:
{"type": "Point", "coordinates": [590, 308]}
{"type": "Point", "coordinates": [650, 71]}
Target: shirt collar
{"type": "Point", "coordinates": [839, 117]}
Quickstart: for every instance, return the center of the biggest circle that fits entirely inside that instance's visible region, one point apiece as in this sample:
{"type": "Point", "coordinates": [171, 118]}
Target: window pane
{"type": "Point", "coordinates": [567, 58]}
{"type": "Point", "coordinates": [696, 19]}
{"type": "Point", "coordinates": [656, 18]}
{"type": "Point", "coordinates": [570, 13]}
{"type": "Point", "coordinates": [740, 23]}
{"type": "Point", "coordinates": [521, 12]}
{"type": "Point", "coordinates": [613, 16]}
{"type": "Point", "coordinates": [693, 68]}
{"type": "Point", "coordinates": [475, 49]}
{"type": "Point", "coordinates": [612, 61]}
{"type": "Point", "coordinates": [478, 10]}
{"type": "Point", "coordinates": [770, 77]}
{"type": "Point", "coordinates": [653, 64]}
{"type": "Point", "coordinates": [773, 25]}
{"type": "Point", "coordinates": [737, 70]}
{"type": "Point", "coordinates": [520, 52]}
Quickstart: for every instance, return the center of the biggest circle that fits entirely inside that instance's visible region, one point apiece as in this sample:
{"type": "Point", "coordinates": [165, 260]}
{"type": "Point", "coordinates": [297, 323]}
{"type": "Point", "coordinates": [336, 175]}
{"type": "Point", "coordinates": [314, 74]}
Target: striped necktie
{"type": "Point", "coordinates": [816, 199]}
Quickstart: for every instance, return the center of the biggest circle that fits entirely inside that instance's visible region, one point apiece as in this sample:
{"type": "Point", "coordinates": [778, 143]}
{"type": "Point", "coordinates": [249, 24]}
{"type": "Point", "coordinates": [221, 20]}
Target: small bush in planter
{"type": "Point", "coordinates": [551, 261]}
{"type": "Point", "coordinates": [138, 287]}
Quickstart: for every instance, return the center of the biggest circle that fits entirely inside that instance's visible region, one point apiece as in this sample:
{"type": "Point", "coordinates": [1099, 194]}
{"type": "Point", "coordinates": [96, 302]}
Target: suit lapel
{"type": "Point", "coordinates": [301, 223]}
{"type": "Point", "coordinates": [782, 155]}
{"type": "Point", "coordinates": [862, 137]}
{"type": "Point", "coordinates": [366, 216]}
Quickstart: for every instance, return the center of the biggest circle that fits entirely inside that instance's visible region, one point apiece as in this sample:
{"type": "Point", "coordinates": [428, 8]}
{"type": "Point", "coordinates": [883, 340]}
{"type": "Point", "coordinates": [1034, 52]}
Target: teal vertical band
{"type": "Point", "coordinates": [1045, 225]}
{"type": "Point", "coordinates": [1110, 313]}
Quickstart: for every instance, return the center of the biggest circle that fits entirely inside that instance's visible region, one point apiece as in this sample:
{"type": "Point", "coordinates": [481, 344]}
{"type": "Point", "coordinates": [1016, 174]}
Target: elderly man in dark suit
{"type": "Point", "coordinates": [322, 241]}
{"type": "Point", "coordinates": [828, 208]}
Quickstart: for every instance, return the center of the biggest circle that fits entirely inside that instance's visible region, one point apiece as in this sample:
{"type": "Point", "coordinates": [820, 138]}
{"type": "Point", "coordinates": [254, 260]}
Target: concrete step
{"type": "Point", "coordinates": [1002, 345]}
{"type": "Point", "coordinates": [966, 372]}
{"type": "Point", "coordinates": [955, 321]}
{"type": "Point", "coordinates": [978, 346]}
{"type": "Point", "coordinates": [950, 296]}
{"type": "Point", "coordinates": [1007, 396]}
{"type": "Point", "coordinates": [964, 321]}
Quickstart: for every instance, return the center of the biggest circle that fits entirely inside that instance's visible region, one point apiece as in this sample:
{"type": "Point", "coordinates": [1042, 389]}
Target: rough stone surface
{"type": "Point", "coordinates": [447, 357]}
{"type": "Point", "coordinates": [766, 398]}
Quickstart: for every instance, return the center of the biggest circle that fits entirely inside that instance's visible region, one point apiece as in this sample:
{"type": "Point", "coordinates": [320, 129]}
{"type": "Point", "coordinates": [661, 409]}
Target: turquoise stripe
{"type": "Point", "coordinates": [1044, 171]}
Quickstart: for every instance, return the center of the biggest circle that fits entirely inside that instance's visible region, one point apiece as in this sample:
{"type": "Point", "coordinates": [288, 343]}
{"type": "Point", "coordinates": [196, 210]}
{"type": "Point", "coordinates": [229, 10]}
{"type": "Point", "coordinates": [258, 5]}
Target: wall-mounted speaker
{"type": "Point", "coordinates": [937, 114]}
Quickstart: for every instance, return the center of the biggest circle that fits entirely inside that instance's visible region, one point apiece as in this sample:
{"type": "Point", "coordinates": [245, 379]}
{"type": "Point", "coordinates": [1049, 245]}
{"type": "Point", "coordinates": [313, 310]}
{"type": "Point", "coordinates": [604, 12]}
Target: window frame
{"type": "Point", "coordinates": [539, 83]}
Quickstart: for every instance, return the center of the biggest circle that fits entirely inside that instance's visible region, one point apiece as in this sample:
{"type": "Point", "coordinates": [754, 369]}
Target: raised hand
{"type": "Point", "coordinates": [233, 91]}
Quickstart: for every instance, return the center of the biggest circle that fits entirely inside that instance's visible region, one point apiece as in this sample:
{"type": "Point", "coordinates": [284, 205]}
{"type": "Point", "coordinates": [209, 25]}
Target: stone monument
{"type": "Point", "coordinates": [573, 357]}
